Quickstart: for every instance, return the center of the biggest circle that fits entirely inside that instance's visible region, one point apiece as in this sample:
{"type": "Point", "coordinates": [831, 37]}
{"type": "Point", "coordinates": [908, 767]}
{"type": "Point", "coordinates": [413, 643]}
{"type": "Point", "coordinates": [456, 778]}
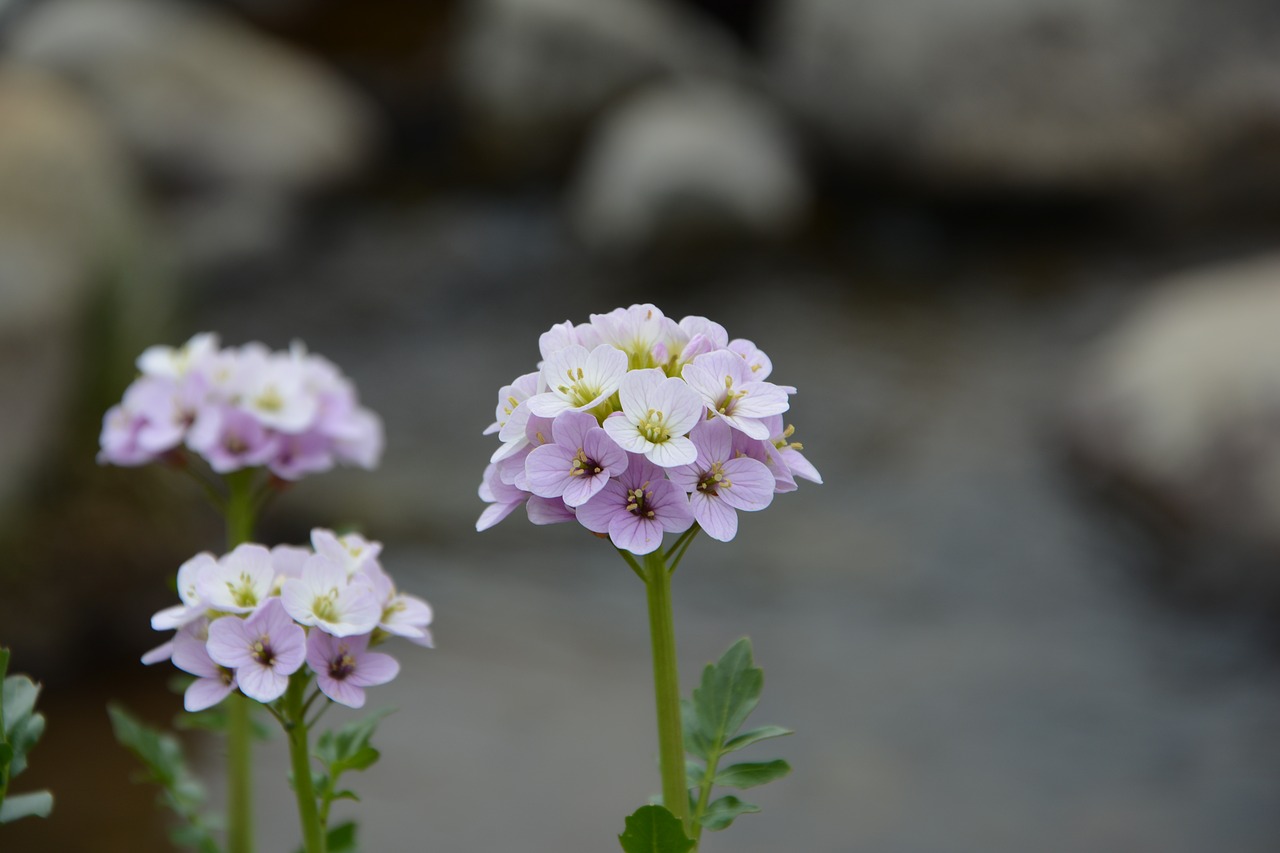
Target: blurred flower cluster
{"type": "Point", "coordinates": [636, 425]}
{"type": "Point", "coordinates": [252, 618]}
{"type": "Point", "coordinates": [292, 412]}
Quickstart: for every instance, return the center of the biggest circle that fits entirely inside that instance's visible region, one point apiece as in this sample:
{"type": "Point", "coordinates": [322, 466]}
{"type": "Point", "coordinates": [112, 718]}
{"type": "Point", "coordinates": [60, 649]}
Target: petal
{"type": "Point", "coordinates": [547, 405]}
{"type": "Point", "coordinates": [548, 511]}
{"type": "Point", "coordinates": [598, 513]}
{"type": "Point", "coordinates": [229, 643]}
{"type": "Point", "coordinates": [636, 391]}
{"type": "Point", "coordinates": [751, 484]}
{"type": "Point", "coordinates": [799, 466]}
{"type": "Point", "coordinates": [261, 683]}
{"type": "Point", "coordinates": [547, 468]}
{"type": "Point", "coordinates": [673, 452]}
{"type": "Point", "coordinates": [373, 668]}
{"type": "Point", "coordinates": [625, 435]}
{"type": "Point", "coordinates": [601, 447]}
{"type": "Point", "coordinates": [579, 490]}
{"type": "Point", "coordinates": [605, 369]}
{"type": "Point", "coordinates": [747, 426]}
{"type": "Point", "coordinates": [715, 516]}
{"type": "Point", "coordinates": [682, 406]}
{"type": "Point", "coordinates": [495, 513]}
{"type": "Point", "coordinates": [637, 535]}
{"type": "Point", "coordinates": [714, 440]}
{"type": "Point", "coordinates": [342, 692]}
{"type": "Point", "coordinates": [205, 693]}
{"type": "Point", "coordinates": [190, 655]}
{"type": "Point", "coordinates": [570, 429]}
{"type": "Point", "coordinates": [296, 597]}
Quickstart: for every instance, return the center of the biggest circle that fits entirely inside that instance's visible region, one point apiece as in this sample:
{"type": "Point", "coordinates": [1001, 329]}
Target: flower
{"type": "Point", "coordinates": [238, 582]}
{"type": "Point", "coordinates": [351, 551]}
{"type": "Point", "coordinates": [292, 412]}
{"type": "Point", "coordinates": [719, 482]}
{"type": "Point", "coordinates": [344, 667]}
{"type": "Point", "coordinates": [213, 682]}
{"type": "Point", "coordinates": [264, 650]}
{"type": "Point", "coordinates": [636, 508]}
{"type": "Point", "coordinates": [578, 464]}
{"type": "Point", "coordinates": [657, 413]}
{"type": "Point", "coordinates": [189, 591]}
{"type": "Point", "coordinates": [327, 597]}
{"type": "Point", "coordinates": [636, 425]}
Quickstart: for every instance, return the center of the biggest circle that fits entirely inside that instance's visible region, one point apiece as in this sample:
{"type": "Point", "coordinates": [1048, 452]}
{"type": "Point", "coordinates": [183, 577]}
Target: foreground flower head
{"type": "Point", "coordinates": [636, 425]}
{"type": "Point", "coordinates": [291, 412]}
{"type": "Point", "coordinates": [253, 617]}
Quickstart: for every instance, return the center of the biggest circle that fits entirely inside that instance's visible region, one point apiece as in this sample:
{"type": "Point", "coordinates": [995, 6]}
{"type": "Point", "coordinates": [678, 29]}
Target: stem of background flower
{"type": "Point", "coordinates": [240, 518]}
{"type": "Point", "coordinates": [313, 834]}
{"type": "Point", "coordinates": [666, 685]}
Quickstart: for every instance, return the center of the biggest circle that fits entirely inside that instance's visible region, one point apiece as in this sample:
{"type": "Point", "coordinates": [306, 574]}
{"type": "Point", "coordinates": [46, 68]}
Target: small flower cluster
{"type": "Point", "coordinates": [247, 407]}
{"type": "Point", "coordinates": [637, 425]}
{"type": "Point", "coordinates": [252, 618]}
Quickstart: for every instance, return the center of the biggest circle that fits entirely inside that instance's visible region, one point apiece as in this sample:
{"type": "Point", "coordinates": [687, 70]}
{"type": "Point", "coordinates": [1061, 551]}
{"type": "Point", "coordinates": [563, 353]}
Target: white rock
{"type": "Point", "coordinates": [687, 158]}
{"type": "Point", "coordinates": [1184, 398]}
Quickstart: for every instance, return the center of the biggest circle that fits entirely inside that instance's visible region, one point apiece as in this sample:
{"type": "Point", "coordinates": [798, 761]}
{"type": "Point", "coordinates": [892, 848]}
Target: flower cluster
{"type": "Point", "coordinates": [637, 425]}
{"type": "Point", "coordinates": [252, 618]}
{"type": "Point", "coordinates": [293, 413]}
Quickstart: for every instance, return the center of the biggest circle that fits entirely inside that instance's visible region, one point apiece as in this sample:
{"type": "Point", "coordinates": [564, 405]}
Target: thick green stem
{"type": "Point", "coordinates": [313, 834]}
{"type": "Point", "coordinates": [240, 518]}
{"type": "Point", "coordinates": [666, 685]}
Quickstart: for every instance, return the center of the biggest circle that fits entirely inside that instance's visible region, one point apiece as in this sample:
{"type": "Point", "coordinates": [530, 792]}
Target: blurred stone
{"type": "Point", "coordinates": [686, 162]}
{"type": "Point", "coordinates": [70, 236]}
{"type": "Point", "coordinates": [1182, 401]}
{"type": "Point", "coordinates": [203, 99]}
{"type": "Point", "coordinates": [535, 72]}
{"type": "Point", "coordinates": [1037, 94]}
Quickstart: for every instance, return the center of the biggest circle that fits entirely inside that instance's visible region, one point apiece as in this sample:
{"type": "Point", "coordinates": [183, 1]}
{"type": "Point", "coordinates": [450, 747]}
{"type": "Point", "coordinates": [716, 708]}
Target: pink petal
{"type": "Point", "coordinates": [579, 490]}
{"type": "Point", "coordinates": [374, 668]}
{"type": "Point", "coordinates": [205, 693]}
{"type": "Point", "coordinates": [342, 692]}
{"type": "Point", "coordinates": [751, 486]}
{"type": "Point", "coordinates": [547, 468]}
{"type": "Point", "coordinates": [715, 516]}
{"type": "Point", "coordinates": [598, 513]}
{"type": "Point", "coordinates": [548, 511]}
{"type": "Point", "coordinates": [229, 642]}
{"type": "Point", "coordinates": [637, 535]}
{"type": "Point", "coordinates": [261, 683]}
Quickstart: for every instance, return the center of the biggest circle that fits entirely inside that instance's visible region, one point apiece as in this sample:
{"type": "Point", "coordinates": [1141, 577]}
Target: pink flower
{"type": "Point", "coordinates": [344, 667]}
{"type": "Point", "coordinates": [726, 385]}
{"type": "Point", "coordinates": [328, 598]}
{"type": "Point", "coordinates": [657, 414]}
{"type": "Point", "coordinates": [264, 650]}
{"type": "Point", "coordinates": [636, 508]}
{"type": "Point", "coordinates": [578, 464]}
{"type": "Point", "coordinates": [720, 483]}
{"type": "Point", "coordinates": [213, 682]}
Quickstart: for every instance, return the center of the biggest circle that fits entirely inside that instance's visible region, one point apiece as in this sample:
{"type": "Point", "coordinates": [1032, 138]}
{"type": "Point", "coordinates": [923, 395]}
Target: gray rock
{"type": "Point", "coordinates": [684, 161]}
{"type": "Point", "coordinates": [1089, 94]}
{"type": "Point", "coordinates": [534, 72]}
{"type": "Point", "coordinates": [70, 228]}
{"type": "Point", "coordinates": [201, 97]}
{"type": "Point", "coordinates": [1183, 401]}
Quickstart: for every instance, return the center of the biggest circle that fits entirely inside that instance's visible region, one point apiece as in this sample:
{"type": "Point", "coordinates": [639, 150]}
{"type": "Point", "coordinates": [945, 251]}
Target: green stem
{"type": "Point", "coordinates": [666, 685]}
{"type": "Point", "coordinates": [240, 518]}
{"type": "Point", "coordinates": [313, 834]}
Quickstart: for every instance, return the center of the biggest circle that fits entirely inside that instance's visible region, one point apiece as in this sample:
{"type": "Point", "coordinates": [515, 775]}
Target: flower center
{"type": "Point", "coordinates": [342, 665]}
{"type": "Point", "coordinates": [653, 426]}
{"type": "Point", "coordinates": [729, 401]}
{"type": "Point", "coordinates": [243, 593]}
{"type": "Point", "coordinates": [714, 480]}
{"type": "Point", "coordinates": [325, 607]}
{"type": "Point", "coordinates": [579, 392]}
{"type": "Point", "coordinates": [638, 501]}
{"type": "Point", "coordinates": [262, 652]}
{"type": "Point", "coordinates": [269, 400]}
{"type": "Point", "coordinates": [583, 465]}
{"type": "Point", "coordinates": [782, 442]}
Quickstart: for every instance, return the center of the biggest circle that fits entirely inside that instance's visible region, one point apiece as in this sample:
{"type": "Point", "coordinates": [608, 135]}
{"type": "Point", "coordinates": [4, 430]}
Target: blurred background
{"type": "Point", "coordinates": [1021, 258]}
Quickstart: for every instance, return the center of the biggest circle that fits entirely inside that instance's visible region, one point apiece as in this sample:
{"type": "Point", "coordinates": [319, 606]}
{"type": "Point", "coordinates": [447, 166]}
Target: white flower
{"type": "Point", "coordinates": [325, 597]}
{"type": "Point", "coordinates": [238, 582]}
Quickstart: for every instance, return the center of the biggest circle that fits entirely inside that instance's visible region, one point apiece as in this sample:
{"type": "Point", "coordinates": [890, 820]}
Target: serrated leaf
{"type": "Point", "coordinates": [694, 742]}
{"type": "Point", "coordinates": [722, 812]}
{"type": "Point", "coordinates": [755, 736]}
{"type": "Point", "coordinates": [15, 807]}
{"type": "Point", "coordinates": [348, 747]}
{"type": "Point", "coordinates": [653, 829]}
{"type": "Point", "coordinates": [345, 795]}
{"type": "Point", "coordinates": [22, 738]}
{"type": "Point", "coordinates": [752, 773]}
{"type": "Point", "coordinates": [729, 692]}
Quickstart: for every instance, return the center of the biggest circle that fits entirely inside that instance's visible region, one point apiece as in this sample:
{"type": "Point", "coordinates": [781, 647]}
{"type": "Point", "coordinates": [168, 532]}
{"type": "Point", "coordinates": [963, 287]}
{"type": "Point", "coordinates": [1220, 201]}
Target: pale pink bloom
{"type": "Point", "coordinates": [724, 382]}
{"type": "Point", "coordinates": [238, 582]}
{"type": "Point", "coordinates": [721, 483]}
{"type": "Point", "coordinates": [402, 614]}
{"type": "Point", "coordinates": [192, 607]}
{"type": "Point", "coordinates": [635, 330]}
{"type": "Point", "coordinates": [766, 453]}
{"type": "Point", "coordinates": [502, 498]}
{"type": "Point", "coordinates": [324, 596]}
{"type": "Point", "coordinates": [345, 666]}
{"type": "Point", "coordinates": [566, 334]}
{"type": "Point", "coordinates": [264, 650]}
{"type": "Point", "coordinates": [758, 363]}
{"type": "Point", "coordinates": [684, 341]}
{"type": "Point", "coordinates": [213, 682]}
{"type": "Point", "coordinates": [549, 510]}
{"type": "Point", "coordinates": [789, 451]}
{"type": "Point", "coordinates": [273, 388]}
{"type": "Point", "coordinates": [172, 363]}
{"type": "Point", "coordinates": [577, 379]}
{"type": "Point", "coordinates": [657, 413]}
{"type": "Point", "coordinates": [636, 508]}
{"type": "Point", "coordinates": [351, 550]}
{"type": "Point", "coordinates": [230, 439]}
{"type": "Point", "coordinates": [578, 464]}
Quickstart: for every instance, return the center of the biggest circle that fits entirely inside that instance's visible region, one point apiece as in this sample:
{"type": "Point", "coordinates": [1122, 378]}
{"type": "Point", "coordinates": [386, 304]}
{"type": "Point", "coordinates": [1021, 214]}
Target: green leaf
{"type": "Point", "coordinates": [653, 829]}
{"type": "Point", "coordinates": [22, 738]}
{"type": "Point", "coordinates": [754, 736]}
{"type": "Point", "coordinates": [694, 741]}
{"type": "Point", "coordinates": [752, 773]}
{"type": "Point", "coordinates": [721, 812]}
{"type": "Point", "coordinates": [19, 701]}
{"type": "Point", "coordinates": [348, 747]}
{"type": "Point", "coordinates": [340, 839]}
{"type": "Point", "coordinates": [38, 804]}
{"type": "Point", "coordinates": [694, 773]}
{"type": "Point", "coordinates": [729, 692]}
